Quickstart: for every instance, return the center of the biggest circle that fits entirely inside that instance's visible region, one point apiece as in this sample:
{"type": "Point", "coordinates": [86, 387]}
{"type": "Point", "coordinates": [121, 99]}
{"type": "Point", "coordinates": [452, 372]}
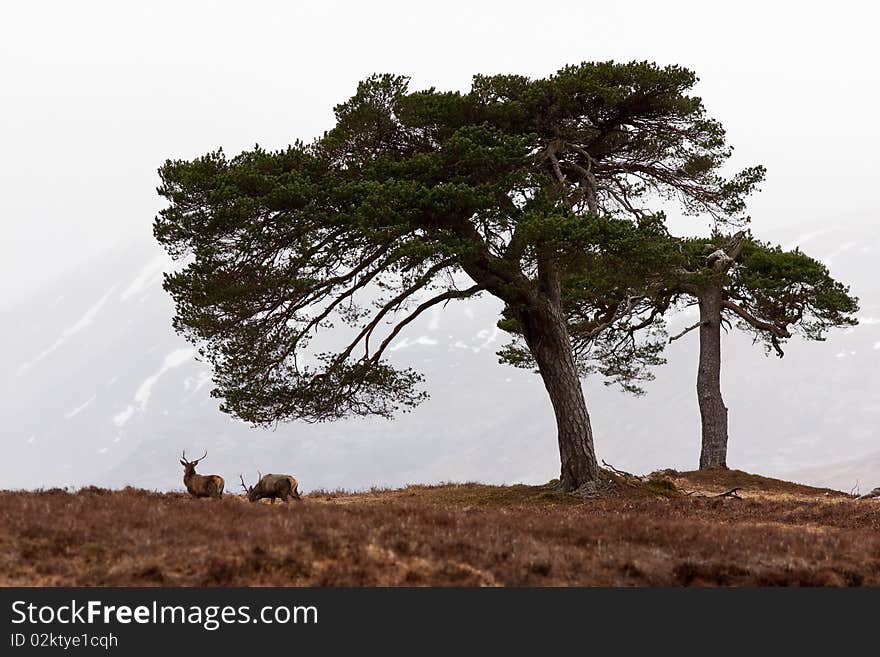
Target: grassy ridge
{"type": "Point", "coordinates": [469, 534]}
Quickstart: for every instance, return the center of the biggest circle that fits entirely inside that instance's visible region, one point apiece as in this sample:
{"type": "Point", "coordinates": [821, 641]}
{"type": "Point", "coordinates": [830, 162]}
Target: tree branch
{"type": "Point", "coordinates": [683, 333]}
{"type": "Point", "coordinates": [420, 282]}
{"type": "Point", "coordinates": [775, 330]}
{"type": "Point", "coordinates": [446, 296]}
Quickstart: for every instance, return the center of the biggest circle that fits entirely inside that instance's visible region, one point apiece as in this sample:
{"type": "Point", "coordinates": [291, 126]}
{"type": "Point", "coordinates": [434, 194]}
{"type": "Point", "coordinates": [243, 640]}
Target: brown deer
{"type": "Point", "coordinates": [272, 486]}
{"type": "Point", "coordinates": [200, 485]}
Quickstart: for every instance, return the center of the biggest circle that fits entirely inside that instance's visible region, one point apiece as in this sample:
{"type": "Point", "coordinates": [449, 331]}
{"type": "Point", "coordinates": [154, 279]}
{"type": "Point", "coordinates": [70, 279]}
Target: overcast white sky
{"type": "Point", "coordinates": [95, 95]}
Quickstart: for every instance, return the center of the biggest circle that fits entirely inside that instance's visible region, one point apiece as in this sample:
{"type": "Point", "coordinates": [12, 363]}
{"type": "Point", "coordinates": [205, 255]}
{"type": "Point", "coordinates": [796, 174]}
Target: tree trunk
{"type": "Point", "coordinates": [713, 412]}
{"type": "Point", "coordinates": [546, 334]}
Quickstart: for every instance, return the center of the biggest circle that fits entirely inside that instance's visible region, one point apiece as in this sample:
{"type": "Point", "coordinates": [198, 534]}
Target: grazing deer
{"type": "Point", "coordinates": [200, 485]}
{"type": "Point", "coordinates": [272, 486]}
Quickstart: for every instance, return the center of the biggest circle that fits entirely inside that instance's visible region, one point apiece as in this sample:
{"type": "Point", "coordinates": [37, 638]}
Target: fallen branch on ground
{"type": "Point", "coordinates": [728, 493]}
{"type": "Point", "coordinates": [620, 473]}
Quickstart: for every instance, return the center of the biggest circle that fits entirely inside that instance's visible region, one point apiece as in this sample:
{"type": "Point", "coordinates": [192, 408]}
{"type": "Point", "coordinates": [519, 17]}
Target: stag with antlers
{"type": "Point", "coordinates": [200, 485]}
{"type": "Point", "coordinates": [272, 486]}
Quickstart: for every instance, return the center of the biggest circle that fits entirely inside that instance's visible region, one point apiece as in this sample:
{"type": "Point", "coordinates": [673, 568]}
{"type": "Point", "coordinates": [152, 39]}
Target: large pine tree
{"type": "Point", "coordinates": [414, 199]}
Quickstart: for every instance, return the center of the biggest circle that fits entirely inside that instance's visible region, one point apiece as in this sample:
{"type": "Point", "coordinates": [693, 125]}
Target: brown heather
{"type": "Point", "coordinates": [453, 535]}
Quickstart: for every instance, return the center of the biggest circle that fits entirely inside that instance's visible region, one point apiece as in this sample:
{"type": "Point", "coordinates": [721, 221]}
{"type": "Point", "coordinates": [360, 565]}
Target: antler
{"type": "Point", "coordinates": [243, 485]}
{"type": "Point", "coordinates": [196, 462]}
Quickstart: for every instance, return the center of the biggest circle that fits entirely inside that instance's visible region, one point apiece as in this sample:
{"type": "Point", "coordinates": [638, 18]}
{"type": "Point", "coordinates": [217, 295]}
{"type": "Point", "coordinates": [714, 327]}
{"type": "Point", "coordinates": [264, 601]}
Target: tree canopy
{"type": "Point", "coordinates": [766, 291]}
{"type": "Point", "coordinates": [775, 294]}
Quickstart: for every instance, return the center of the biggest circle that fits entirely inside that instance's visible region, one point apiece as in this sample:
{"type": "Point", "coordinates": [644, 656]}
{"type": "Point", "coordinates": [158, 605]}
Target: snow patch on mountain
{"type": "Point", "coordinates": [82, 323]}
{"type": "Point", "coordinates": [175, 359]}
{"type": "Point", "coordinates": [843, 248]}
{"type": "Point", "coordinates": [406, 342]}
{"type": "Point", "coordinates": [806, 237]}
{"type": "Point", "coordinates": [79, 409]}
{"type": "Point", "coordinates": [147, 278]}
{"type": "Point", "coordinates": [123, 416]}
{"type": "Point", "coordinates": [195, 383]}
{"type": "Point", "coordinates": [488, 337]}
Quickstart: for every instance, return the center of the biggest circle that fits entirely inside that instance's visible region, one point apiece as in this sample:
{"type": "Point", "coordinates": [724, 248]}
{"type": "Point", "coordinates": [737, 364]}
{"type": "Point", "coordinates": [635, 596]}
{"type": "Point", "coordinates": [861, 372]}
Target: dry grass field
{"type": "Point", "coordinates": [665, 531]}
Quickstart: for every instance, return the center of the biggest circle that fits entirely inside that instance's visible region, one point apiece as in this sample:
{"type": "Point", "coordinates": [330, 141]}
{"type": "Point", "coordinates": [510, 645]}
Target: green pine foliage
{"type": "Point", "coordinates": [768, 292]}
{"type": "Point", "coordinates": [414, 199]}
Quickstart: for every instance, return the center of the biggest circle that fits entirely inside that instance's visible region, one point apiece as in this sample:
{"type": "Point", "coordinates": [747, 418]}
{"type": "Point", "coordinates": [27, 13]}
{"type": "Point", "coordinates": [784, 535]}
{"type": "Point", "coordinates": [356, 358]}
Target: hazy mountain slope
{"type": "Point", "coordinates": [98, 389]}
{"type": "Point", "coordinates": [859, 475]}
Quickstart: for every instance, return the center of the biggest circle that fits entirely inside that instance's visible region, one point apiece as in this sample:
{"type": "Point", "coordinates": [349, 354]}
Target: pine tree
{"type": "Point", "coordinates": [415, 199]}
